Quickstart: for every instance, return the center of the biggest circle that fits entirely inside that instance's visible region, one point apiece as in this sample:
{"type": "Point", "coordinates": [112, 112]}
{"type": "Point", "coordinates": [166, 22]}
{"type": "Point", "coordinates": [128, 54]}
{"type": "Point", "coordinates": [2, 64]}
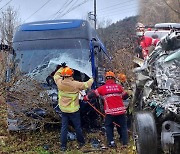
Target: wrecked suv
{"type": "Point", "coordinates": [156, 100]}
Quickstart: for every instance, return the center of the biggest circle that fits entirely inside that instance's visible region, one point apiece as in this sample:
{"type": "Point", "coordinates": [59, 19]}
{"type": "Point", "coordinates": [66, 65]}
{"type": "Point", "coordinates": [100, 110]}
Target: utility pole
{"type": "Point", "coordinates": [94, 14]}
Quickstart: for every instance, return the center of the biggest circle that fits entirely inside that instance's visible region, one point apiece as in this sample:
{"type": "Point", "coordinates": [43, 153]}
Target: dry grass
{"type": "Point", "coordinates": [36, 142]}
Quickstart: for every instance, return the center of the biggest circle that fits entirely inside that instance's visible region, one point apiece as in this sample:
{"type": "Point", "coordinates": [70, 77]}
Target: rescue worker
{"type": "Point", "coordinates": [129, 107]}
{"type": "Point", "coordinates": [146, 43]}
{"type": "Point", "coordinates": [68, 102]}
{"type": "Point", "coordinates": [113, 95]}
{"type": "Point", "coordinates": [122, 80]}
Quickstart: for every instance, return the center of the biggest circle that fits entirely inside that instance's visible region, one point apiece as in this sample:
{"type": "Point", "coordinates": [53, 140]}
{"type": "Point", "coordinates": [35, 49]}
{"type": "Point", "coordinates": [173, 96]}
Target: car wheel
{"type": "Point", "coordinates": [145, 133]}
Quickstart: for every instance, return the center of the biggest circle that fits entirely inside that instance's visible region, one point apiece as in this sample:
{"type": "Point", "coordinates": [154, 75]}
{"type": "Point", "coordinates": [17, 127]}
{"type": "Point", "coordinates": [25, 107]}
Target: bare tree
{"type": "Point", "coordinates": [103, 23]}
{"type": "Point", "coordinates": [8, 22]}
{"type": "Point", "coordinates": [173, 8]}
{"type": "Point", "coordinates": [154, 11]}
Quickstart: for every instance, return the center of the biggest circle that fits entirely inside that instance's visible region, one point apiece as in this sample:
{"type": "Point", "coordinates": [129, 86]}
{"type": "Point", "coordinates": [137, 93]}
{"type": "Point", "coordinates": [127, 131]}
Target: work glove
{"type": "Point", "coordinates": [130, 92]}
{"type": "Point", "coordinates": [63, 65]}
{"type": "Point", "coordinates": [85, 98]}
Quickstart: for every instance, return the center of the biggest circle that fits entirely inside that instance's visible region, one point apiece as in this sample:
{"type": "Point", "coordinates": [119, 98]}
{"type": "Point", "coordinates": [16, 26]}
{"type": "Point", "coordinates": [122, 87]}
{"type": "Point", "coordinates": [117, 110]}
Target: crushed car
{"type": "Point", "coordinates": [156, 98]}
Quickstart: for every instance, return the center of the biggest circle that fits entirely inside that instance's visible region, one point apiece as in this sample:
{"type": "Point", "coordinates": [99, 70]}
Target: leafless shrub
{"type": "Point", "coordinates": [123, 63]}
{"type": "Point", "coordinates": [23, 95]}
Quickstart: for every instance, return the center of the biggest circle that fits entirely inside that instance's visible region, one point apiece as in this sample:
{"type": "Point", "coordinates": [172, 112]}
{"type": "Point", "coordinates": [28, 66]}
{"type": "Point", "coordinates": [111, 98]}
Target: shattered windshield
{"type": "Point", "coordinates": [40, 62]}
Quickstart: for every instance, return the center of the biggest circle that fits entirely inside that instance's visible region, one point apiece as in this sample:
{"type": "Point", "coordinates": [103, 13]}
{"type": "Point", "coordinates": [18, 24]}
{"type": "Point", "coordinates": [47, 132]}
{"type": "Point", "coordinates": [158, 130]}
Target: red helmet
{"type": "Point", "coordinates": [110, 74]}
{"type": "Point", "coordinates": [67, 72]}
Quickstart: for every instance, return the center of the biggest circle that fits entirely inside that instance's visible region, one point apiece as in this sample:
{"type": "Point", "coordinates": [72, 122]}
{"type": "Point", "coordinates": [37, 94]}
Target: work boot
{"type": "Point", "coordinates": [112, 144]}
{"type": "Point", "coordinates": [80, 145]}
{"type": "Point", "coordinates": [63, 148]}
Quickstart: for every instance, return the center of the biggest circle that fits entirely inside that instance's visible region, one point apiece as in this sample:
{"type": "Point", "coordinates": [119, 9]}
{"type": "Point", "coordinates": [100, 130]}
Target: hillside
{"type": "Point", "coordinates": [119, 39]}
{"type": "Point", "coordinates": [119, 35]}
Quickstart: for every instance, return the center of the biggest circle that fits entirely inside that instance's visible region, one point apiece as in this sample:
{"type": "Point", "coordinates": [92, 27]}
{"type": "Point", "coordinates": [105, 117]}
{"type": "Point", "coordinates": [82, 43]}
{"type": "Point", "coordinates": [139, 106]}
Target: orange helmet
{"type": "Point", "coordinates": [67, 72]}
{"type": "Point", "coordinates": [110, 74]}
{"type": "Point", "coordinates": [122, 77]}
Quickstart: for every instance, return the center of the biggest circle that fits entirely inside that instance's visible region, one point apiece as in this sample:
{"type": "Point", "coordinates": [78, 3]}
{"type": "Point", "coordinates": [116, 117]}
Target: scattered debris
{"type": "Point", "coordinates": [71, 136]}
{"type": "Point", "coordinates": [95, 143]}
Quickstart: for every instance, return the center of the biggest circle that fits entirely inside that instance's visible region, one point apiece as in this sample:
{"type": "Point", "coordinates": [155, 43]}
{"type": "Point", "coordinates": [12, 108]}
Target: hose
{"type": "Point", "coordinates": [101, 113]}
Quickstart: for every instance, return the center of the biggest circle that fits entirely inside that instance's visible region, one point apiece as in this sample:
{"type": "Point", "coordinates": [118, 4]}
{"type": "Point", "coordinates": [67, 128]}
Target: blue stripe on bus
{"type": "Point", "coordinates": [51, 25]}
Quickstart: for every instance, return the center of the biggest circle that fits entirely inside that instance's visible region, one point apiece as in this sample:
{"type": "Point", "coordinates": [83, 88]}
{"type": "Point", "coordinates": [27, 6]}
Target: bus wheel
{"type": "Point", "coordinates": [145, 133]}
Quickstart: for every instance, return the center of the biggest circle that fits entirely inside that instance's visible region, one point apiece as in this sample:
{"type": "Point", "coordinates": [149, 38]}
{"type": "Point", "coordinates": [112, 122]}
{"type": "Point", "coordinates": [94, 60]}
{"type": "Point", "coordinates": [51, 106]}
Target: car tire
{"type": "Point", "coordinates": [145, 133]}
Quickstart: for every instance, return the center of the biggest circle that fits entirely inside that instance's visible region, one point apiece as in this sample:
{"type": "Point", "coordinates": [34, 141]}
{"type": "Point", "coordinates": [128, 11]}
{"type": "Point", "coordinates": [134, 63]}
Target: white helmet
{"type": "Point", "coordinates": [140, 28]}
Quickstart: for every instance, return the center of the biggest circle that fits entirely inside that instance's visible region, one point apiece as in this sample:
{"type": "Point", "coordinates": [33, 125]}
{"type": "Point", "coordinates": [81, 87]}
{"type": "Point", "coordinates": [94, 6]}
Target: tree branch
{"type": "Point", "coordinates": [171, 7]}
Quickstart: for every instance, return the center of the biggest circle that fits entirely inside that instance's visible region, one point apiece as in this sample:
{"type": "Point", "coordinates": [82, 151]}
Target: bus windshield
{"type": "Point", "coordinates": [39, 58]}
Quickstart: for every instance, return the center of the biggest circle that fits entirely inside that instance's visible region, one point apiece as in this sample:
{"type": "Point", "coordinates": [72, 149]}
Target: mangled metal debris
{"type": "Point", "coordinates": [157, 98]}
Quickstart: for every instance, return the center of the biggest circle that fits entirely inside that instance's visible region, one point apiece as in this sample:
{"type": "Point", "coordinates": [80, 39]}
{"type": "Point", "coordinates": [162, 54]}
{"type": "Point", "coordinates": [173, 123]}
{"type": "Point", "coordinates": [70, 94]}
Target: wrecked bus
{"type": "Point", "coordinates": [39, 47]}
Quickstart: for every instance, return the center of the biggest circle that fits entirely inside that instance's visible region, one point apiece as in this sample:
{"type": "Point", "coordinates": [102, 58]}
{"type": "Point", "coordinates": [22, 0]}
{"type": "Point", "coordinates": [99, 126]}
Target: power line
{"type": "Point", "coordinates": [73, 5]}
{"type": "Point", "coordinates": [117, 8]}
{"type": "Point", "coordinates": [65, 9]}
{"type": "Point", "coordinates": [37, 10]}
{"type": "Point", "coordinates": [114, 5]}
{"type": "Point", "coordinates": [125, 11]}
{"type": "Point", "coordinates": [64, 5]}
{"type": "Point", "coordinates": [124, 7]}
{"type": "Point", "coordinates": [5, 4]}
{"type": "Point", "coordinates": [85, 1]}
{"type": "Point", "coordinates": [133, 9]}
{"type": "Point", "coordinates": [69, 10]}
{"type": "Point", "coordinates": [122, 10]}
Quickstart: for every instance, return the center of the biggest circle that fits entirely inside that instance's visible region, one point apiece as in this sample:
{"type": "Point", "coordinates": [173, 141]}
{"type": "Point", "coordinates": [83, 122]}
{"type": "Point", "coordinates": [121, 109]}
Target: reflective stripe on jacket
{"type": "Point", "coordinates": [69, 92]}
{"type": "Point", "coordinates": [112, 94]}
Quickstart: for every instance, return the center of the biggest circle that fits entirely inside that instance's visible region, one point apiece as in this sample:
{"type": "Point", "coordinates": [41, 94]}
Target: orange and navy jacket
{"type": "Point", "coordinates": [113, 95]}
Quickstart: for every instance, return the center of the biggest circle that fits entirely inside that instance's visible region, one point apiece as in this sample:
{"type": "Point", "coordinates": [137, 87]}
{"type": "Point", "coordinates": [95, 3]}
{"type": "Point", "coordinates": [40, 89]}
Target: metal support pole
{"type": "Point", "coordinates": [94, 14]}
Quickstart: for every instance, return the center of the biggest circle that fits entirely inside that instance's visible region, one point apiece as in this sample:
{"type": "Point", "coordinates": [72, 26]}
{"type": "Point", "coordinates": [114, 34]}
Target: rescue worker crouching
{"type": "Point", "coordinates": [68, 102]}
{"type": "Point", "coordinates": [113, 95]}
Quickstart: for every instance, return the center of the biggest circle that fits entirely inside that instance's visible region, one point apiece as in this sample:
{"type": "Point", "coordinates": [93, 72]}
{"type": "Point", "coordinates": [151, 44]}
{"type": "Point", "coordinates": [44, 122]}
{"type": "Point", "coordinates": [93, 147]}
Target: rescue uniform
{"type": "Point", "coordinates": [114, 108]}
{"type": "Point", "coordinates": [146, 43]}
{"type": "Point", "coordinates": [68, 102]}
